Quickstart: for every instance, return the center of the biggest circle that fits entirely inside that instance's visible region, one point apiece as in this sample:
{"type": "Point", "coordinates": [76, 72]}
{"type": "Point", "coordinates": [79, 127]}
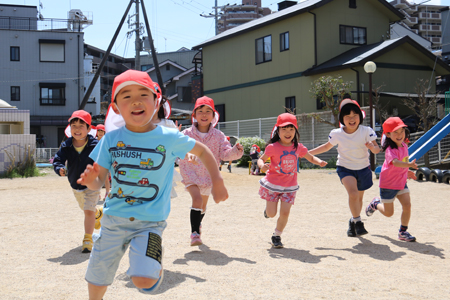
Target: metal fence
{"type": "Point", "coordinates": [312, 134]}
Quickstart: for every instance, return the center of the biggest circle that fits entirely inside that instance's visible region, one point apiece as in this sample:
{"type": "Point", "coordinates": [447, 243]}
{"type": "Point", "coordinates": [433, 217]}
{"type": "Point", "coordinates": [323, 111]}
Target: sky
{"type": "Point", "coordinates": [173, 23]}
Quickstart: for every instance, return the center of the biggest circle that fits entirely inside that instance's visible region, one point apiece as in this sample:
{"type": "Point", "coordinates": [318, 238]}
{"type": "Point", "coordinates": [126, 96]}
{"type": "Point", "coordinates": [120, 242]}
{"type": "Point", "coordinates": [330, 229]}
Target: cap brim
{"type": "Point", "coordinates": [345, 102]}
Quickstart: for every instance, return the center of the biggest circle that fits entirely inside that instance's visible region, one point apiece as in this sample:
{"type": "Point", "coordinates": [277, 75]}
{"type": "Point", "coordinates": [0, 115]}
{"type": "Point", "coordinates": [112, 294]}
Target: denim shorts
{"type": "Point", "coordinates": [388, 195]}
{"type": "Point", "coordinates": [116, 234]}
{"type": "Point", "coordinates": [363, 176]}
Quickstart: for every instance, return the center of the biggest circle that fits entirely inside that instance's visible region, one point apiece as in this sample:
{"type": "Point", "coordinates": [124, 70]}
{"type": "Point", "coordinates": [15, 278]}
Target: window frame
{"type": "Point", "coordinates": [61, 101]}
{"type": "Point", "coordinates": [17, 93]}
{"type": "Point", "coordinates": [54, 42]}
{"type": "Point", "coordinates": [263, 47]}
{"type": "Point", "coordinates": [352, 3]}
{"type": "Point", "coordinates": [292, 109]}
{"type": "Point", "coordinates": [11, 53]}
{"type": "Point", "coordinates": [283, 39]}
{"type": "Point", "coordinates": [352, 37]}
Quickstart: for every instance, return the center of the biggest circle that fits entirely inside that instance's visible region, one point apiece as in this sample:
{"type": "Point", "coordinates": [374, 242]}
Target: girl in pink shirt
{"type": "Point", "coordinates": [393, 176]}
{"type": "Point", "coordinates": [195, 176]}
{"type": "Point", "coordinates": [280, 182]}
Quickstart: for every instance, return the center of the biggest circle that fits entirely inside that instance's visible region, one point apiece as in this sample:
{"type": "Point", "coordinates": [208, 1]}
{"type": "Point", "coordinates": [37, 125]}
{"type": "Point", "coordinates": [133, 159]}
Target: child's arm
{"type": "Point", "coordinates": [93, 176]}
{"type": "Point", "coordinates": [321, 149]}
{"type": "Point", "coordinates": [315, 160]}
{"type": "Point", "coordinates": [218, 191]}
{"type": "Point", "coordinates": [263, 167]}
{"type": "Point", "coordinates": [373, 146]}
{"type": "Point", "coordinates": [400, 164]}
{"type": "Point", "coordinates": [59, 163]}
{"type": "Point", "coordinates": [229, 153]}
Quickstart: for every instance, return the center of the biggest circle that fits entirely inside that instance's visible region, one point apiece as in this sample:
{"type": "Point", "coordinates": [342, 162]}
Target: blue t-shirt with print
{"type": "Point", "coordinates": [141, 167]}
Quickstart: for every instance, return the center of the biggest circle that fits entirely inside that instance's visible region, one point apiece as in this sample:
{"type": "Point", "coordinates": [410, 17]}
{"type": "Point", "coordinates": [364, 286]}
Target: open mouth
{"type": "Point", "coordinates": [137, 112]}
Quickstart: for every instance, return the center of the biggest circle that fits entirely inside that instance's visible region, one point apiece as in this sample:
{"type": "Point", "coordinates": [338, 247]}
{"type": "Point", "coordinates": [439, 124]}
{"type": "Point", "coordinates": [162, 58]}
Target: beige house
{"type": "Point", "coordinates": [257, 69]}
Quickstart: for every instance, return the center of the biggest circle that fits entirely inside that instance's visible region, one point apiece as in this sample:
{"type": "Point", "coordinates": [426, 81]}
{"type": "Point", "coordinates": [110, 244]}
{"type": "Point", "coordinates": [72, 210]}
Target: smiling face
{"type": "Point", "coordinates": [286, 135]}
{"type": "Point", "coordinates": [79, 129]}
{"type": "Point", "coordinates": [136, 104]}
{"type": "Point", "coordinates": [100, 134]}
{"type": "Point", "coordinates": [397, 136]}
{"type": "Point", "coordinates": [351, 122]}
{"type": "Point", "coordinates": [204, 116]}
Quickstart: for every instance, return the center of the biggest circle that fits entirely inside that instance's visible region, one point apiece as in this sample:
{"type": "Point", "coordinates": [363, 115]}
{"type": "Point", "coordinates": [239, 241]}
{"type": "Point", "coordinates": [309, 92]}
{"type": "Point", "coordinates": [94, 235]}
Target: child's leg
{"type": "Point", "coordinates": [285, 209]}
{"type": "Point", "coordinates": [355, 197]}
{"type": "Point", "coordinates": [387, 209]}
{"type": "Point", "coordinates": [196, 209]}
{"type": "Point", "coordinates": [405, 201]}
{"type": "Point", "coordinates": [271, 209]}
{"type": "Point", "coordinates": [89, 221]}
{"type": "Point", "coordinates": [107, 186]}
{"type": "Point", "coordinates": [96, 292]}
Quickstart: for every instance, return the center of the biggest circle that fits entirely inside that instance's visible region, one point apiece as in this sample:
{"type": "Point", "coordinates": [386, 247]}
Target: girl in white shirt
{"type": "Point", "coordinates": [353, 166]}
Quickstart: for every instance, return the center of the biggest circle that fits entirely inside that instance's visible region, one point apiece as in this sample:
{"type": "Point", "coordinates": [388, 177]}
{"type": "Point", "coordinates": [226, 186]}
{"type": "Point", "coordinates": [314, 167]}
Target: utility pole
{"type": "Point", "coordinates": [215, 16]}
{"type": "Point", "coordinates": [138, 39]}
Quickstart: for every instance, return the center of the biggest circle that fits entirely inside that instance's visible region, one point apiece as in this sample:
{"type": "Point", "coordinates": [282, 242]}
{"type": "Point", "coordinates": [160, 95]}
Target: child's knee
{"type": "Point", "coordinates": [197, 202]}
{"type": "Point", "coordinates": [144, 282]}
{"type": "Point", "coordinates": [89, 213]}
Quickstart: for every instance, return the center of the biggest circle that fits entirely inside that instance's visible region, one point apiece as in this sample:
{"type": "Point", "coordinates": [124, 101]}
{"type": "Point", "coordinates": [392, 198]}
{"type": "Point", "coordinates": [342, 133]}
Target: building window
{"type": "Point", "coordinates": [284, 41]}
{"type": "Point", "coordinates": [52, 94]}
{"type": "Point", "coordinates": [15, 54]}
{"type": "Point", "coordinates": [167, 67]}
{"type": "Point", "coordinates": [352, 3]}
{"type": "Point", "coordinates": [146, 67]}
{"type": "Point", "coordinates": [221, 110]}
{"type": "Point", "coordinates": [15, 93]}
{"type": "Point", "coordinates": [289, 104]}
{"type": "Point", "coordinates": [353, 35]}
{"type": "Point", "coordinates": [52, 50]}
{"type": "Point", "coordinates": [184, 94]}
{"type": "Point", "coordinates": [264, 49]}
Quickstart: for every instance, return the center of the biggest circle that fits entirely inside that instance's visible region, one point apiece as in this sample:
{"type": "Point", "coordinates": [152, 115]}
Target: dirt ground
{"type": "Point", "coordinates": [42, 228]}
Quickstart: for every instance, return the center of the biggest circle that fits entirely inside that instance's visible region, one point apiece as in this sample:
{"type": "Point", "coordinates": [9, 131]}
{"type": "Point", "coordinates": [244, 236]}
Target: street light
{"type": "Point", "coordinates": [370, 67]}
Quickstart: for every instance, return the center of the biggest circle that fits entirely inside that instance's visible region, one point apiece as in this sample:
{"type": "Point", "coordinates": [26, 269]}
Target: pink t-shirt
{"type": "Point", "coordinates": [283, 166]}
{"type": "Point", "coordinates": [392, 177]}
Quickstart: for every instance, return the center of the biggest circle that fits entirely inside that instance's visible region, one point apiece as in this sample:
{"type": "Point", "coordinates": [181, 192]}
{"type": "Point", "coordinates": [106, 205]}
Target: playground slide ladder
{"type": "Point", "coordinates": [430, 138]}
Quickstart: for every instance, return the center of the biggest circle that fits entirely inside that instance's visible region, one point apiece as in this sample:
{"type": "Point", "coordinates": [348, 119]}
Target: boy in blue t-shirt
{"type": "Point", "coordinates": [140, 157]}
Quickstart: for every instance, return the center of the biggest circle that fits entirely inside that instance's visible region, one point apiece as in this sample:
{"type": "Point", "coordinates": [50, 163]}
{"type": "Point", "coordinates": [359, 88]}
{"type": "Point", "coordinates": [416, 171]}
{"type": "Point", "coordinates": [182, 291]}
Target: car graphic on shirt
{"type": "Point", "coordinates": [120, 145]}
{"type": "Point", "coordinates": [161, 148]}
{"type": "Point", "coordinates": [143, 182]}
{"type": "Point", "coordinates": [146, 163]}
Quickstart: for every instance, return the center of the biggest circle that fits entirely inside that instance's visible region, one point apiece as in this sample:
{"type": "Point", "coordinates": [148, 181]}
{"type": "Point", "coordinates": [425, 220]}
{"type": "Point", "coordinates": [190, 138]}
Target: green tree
{"type": "Point", "coordinates": [331, 91]}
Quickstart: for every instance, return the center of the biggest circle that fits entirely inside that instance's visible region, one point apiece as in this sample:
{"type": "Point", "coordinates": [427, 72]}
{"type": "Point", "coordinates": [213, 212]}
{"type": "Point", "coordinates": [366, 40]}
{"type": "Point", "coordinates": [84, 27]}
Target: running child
{"type": "Point", "coordinates": [75, 151]}
{"type": "Point", "coordinates": [255, 152]}
{"type": "Point", "coordinates": [280, 182]}
{"type": "Point", "coordinates": [101, 133]}
{"type": "Point", "coordinates": [140, 157]}
{"type": "Point", "coordinates": [353, 166]}
{"type": "Point", "coordinates": [195, 178]}
{"type": "Point", "coordinates": [394, 173]}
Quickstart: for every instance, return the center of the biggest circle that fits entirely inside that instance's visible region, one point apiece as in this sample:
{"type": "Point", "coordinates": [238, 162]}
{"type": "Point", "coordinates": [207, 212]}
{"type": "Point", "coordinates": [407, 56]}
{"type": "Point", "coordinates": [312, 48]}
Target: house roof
{"type": "Point", "coordinates": [184, 73]}
{"type": "Point", "coordinates": [165, 63]}
{"type": "Point", "coordinates": [289, 12]}
{"type": "Point", "coordinates": [360, 55]}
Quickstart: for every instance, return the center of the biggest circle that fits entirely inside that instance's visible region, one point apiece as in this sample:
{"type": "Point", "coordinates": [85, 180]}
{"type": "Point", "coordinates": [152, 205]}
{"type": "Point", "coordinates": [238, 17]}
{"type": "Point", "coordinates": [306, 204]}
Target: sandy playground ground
{"type": "Point", "coordinates": [42, 229]}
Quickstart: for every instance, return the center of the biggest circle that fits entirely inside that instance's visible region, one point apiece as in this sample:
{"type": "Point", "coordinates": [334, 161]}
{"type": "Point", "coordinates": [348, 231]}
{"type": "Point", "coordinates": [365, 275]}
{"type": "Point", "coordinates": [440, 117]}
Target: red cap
{"type": "Point", "coordinates": [228, 138]}
{"type": "Point", "coordinates": [348, 101]}
{"type": "Point", "coordinates": [208, 102]}
{"type": "Point", "coordinates": [286, 119]}
{"type": "Point", "coordinates": [131, 77]}
{"type": "Point", "coordinates": [257, 147]}
{"type": "Point", "coordinates": [101, 127]}
{"type": "Point", "coordinates": [82, 115]}
{"type": "Point", "coordinates": [392, 124]}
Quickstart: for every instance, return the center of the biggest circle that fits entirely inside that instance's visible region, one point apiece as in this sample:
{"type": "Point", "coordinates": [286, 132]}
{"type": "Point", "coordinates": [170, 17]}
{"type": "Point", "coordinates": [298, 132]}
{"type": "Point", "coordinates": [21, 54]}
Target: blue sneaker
{"type": "Point", "coordinates": [371, 208]}
{"type": "Point", "coordinates": [405, 236]}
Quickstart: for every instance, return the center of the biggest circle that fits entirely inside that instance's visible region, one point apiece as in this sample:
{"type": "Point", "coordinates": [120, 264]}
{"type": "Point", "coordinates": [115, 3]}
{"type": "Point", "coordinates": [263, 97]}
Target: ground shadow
{"type": "Point", "coordinates": [300, 255]}
{"type": "Point", "coordinates": [376, 251]}
{"type": "Point", "coordinates": [210, 257]}
{"type": "Point", "coordinates": [73, 257]}
{"type": "Point", "coordinates": [171, 280]}
{"type": "Point", "coordinates": [422, 248]}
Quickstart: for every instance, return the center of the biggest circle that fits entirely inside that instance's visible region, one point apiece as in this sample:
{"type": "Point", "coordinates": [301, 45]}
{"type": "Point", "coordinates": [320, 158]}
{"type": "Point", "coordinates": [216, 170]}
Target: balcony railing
{"type": "Point", "coordinates": [430, 28]}
{"type": "Point", "coordinates": [15, 23]}
{"type": "Point", "coordinates": [429, 16]}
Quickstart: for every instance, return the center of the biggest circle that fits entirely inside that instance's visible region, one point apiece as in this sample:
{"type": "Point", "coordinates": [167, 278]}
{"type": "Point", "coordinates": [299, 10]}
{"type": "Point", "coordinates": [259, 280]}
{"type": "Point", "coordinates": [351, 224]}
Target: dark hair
{"type": "Point", "coordinates": [78, 119]}
{"type": "Point", "coordinates": [390, 143]}
{"type": "Point", "coordinates": [276, 136]}
{"type": "Point", "coordinates": [161, 113]}
{"type": "Point", "coordinates": [346, 109]}
{"type": "Point", "coordinates": [154, 96]}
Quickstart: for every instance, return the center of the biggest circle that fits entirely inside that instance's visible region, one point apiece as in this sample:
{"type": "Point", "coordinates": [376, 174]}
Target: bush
{"type": "Point", "coordinates": [304, 164]}
{"type": "Point", "coordinates": [247, 143]}
{"type": "Point", "coordinates": [26, 167]}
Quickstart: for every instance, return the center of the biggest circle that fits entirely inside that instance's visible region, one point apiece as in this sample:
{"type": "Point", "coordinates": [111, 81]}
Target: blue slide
{"type": "Point", "coordinates": [429, 139]}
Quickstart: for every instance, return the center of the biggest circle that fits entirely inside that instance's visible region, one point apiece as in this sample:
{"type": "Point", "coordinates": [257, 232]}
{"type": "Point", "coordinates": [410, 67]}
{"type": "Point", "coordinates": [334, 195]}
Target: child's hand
{"type": "Point", "coordinates": [179, 126]}
{"type": "Point", "coordinates": [412, 164]}
{"type": "Point", "coordinates": [239, 147]}
{"type": "Point", "coordinates": [323, 163]}
{"type": "Point", "coordinates": [265, 168]}
{"type": "Point", "coordinates": [411, 175]}
{"type": "Point", "coordinates": [370, 146]}
{"type": "Point", "coordinates": [219, 192]}
{"type": "Point", "coordinates": [89, 175]}
{"type": "Point", "coordinates": [192, 158]}
{"type": "Point", "coordinates": [62, 172]}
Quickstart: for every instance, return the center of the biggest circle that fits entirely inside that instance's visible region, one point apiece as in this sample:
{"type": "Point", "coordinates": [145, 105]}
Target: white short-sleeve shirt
{"type": "Point", "coordinates": [352, 151]}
